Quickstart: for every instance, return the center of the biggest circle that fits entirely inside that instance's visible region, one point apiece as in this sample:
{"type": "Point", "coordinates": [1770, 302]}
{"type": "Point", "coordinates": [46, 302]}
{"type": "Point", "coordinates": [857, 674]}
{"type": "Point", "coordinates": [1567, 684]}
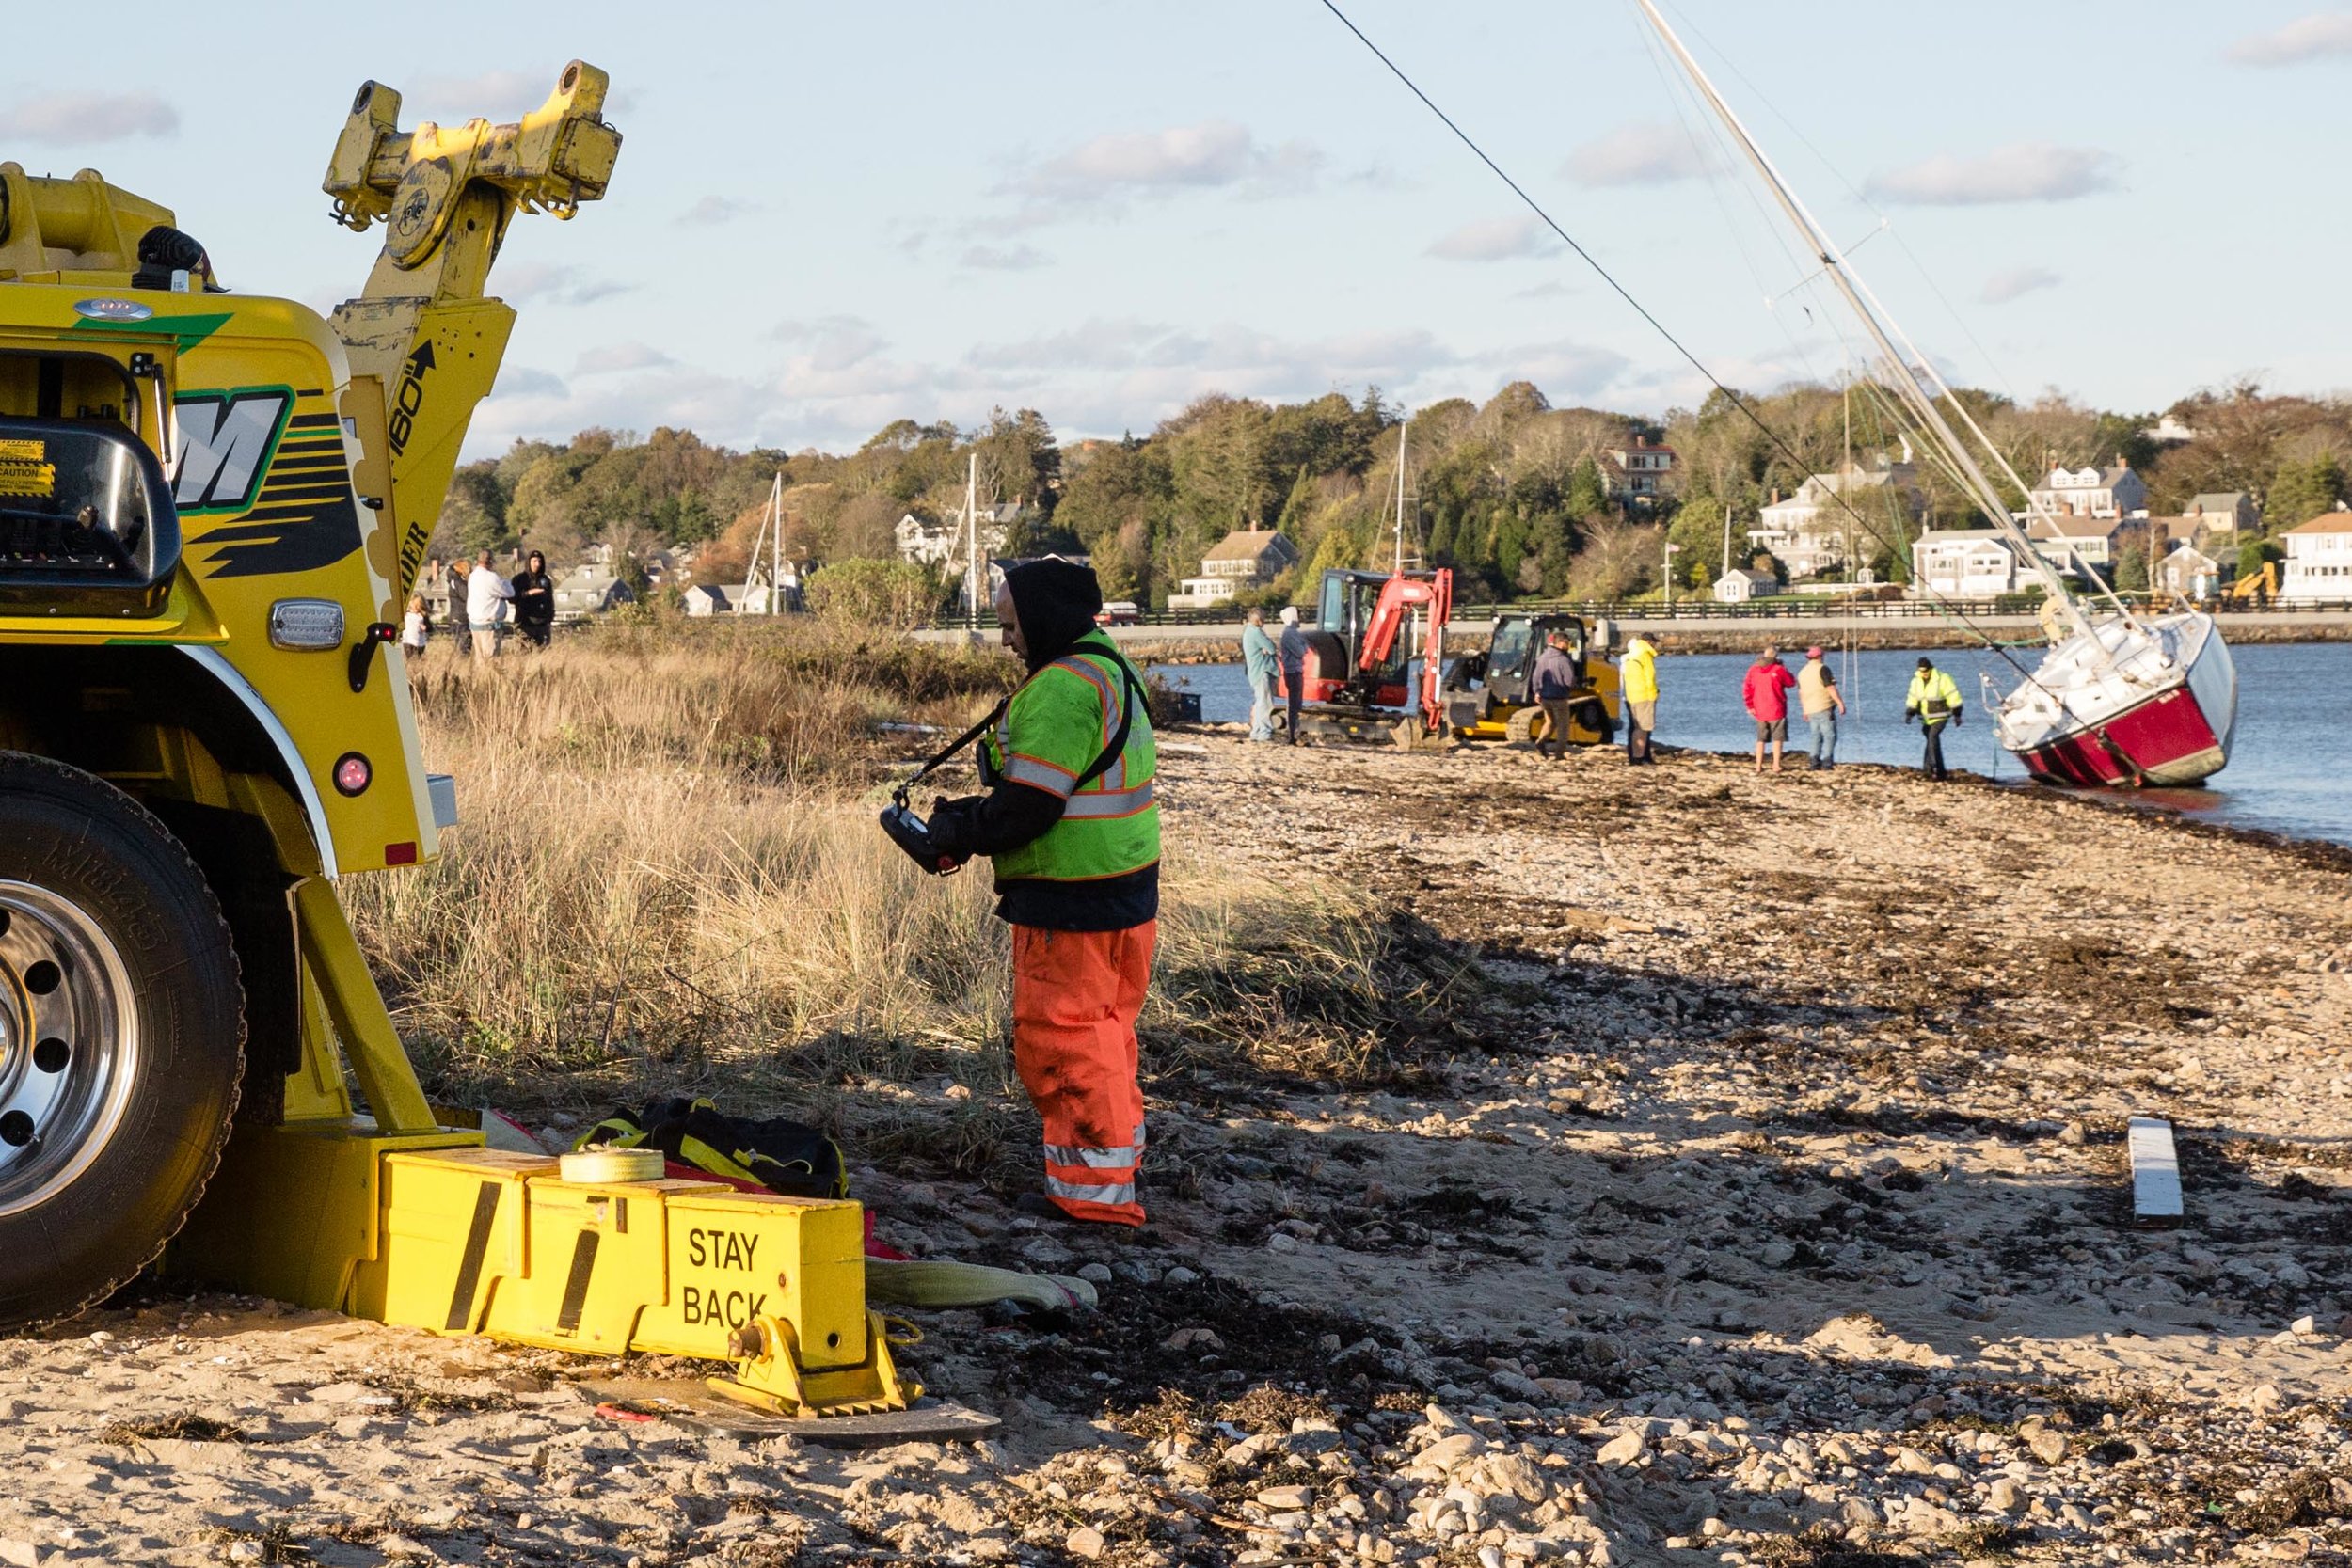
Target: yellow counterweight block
{"type": "Point", "coordinates": [483, 1242]}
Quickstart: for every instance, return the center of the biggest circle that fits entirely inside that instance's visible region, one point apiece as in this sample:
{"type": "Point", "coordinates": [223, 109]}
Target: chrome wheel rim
{"type": "Point", "coordinates": [69, 1043]}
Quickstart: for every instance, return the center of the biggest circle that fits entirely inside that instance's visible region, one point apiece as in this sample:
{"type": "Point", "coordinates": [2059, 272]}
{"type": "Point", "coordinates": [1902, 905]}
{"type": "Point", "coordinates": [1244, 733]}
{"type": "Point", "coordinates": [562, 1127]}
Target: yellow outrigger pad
{"type": "Point", "coordinates": [477, 1241]}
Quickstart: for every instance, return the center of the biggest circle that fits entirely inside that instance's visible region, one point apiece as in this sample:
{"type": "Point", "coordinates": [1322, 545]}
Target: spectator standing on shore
{"type": "Point", "coordinates": [1765, 693]}
{"type": "Point", "coordinates": [1259, 657]}
{"type": "Point", "coordinates": [1555, 688]}
{"type": "Point", "coordinates": [1935, 701]}
{"type": "Point", "coordinates": [486, 595]}
{"type": "Point", "coordinates": [412, 626]}
{"type": "Point", "coordinates": [1638, 679]}
{"type": "Point", "coordinates": [1823, 705]}
{"type": "Point", "coordinates": [1293, 652]}
{"type": "Point", "coordinates": [534, 600]}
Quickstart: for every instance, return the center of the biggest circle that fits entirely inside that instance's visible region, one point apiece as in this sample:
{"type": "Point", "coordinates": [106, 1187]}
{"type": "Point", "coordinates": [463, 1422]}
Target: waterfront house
{"type": "Point", "coordinates": [2230, 511]}
{"type": "Point", "coordinates": [1635, 475]}
{"type": "Point", "coordinates": [589, 590]}
{"type": "Point", "coordinates": [708, 598]}
{"type": "Point", "coordinates": [940, 542]}
{"type": "Point", "coordinates": [2188, 572]}
{"type": "Point", "coordinates": [1244, 560]}
{"type": "Point", "coordinates": [1741, 583]}
{"type": "Point", "coordinates": [1963, 564]}
{"type": "Point", "coordinates": [2093, 492]}
{"type": "Point", "coordinates": [1814, 529]}
{"type": "Point", "coordinates": [2065, 538]}
{"type": "Point", "coordinates": [2319, 561]}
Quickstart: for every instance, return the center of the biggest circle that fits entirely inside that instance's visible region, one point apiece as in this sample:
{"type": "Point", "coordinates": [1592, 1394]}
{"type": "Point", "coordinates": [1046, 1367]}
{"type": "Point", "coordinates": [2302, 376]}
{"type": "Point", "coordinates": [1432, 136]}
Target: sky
{"type": "Point", "coordinates": [826, 217]}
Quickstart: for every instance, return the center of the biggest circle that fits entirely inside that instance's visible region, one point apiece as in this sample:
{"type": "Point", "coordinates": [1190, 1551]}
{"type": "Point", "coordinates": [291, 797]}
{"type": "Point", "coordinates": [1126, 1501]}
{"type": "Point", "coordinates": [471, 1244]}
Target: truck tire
{"type": "Point", "coordinates": [121, 1037]}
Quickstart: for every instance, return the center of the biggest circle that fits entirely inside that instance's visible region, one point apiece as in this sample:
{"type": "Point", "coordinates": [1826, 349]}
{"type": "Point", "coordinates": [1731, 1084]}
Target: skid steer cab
{"type": "Point", "coordinates": [1490, 692]}
{"type": "Point", "coordinates": [213, 506]}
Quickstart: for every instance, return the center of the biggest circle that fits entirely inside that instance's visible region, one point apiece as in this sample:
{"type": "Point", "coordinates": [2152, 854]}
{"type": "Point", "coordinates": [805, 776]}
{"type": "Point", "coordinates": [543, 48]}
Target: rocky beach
{"type": "Point", "coordinates": [1732, 1173]}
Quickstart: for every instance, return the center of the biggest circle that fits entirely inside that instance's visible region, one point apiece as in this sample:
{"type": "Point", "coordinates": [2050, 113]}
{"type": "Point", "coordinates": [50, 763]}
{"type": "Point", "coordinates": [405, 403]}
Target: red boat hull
{"type": "Point", "coordinates": [2152, 741]}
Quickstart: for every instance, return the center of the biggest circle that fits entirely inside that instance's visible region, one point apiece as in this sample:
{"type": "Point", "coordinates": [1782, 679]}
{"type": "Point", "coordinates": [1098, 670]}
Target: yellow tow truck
{"type": "Point", "coordinates": [213, 506]}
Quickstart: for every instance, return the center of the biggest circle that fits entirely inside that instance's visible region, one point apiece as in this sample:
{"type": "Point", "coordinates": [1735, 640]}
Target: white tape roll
{"type": "Point", "coordinates": [604, 1166]}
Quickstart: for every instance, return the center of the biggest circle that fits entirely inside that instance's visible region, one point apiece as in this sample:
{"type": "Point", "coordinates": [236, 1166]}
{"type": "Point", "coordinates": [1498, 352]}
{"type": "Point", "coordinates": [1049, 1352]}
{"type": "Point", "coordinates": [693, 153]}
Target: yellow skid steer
{"type": "Point", "coordinates": [213, 506]}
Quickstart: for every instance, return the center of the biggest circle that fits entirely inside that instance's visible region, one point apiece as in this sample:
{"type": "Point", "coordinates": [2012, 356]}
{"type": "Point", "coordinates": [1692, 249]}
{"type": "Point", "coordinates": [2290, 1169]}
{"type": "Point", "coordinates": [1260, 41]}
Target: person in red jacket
{"type": "Point", "coordinates": [1765, 693]}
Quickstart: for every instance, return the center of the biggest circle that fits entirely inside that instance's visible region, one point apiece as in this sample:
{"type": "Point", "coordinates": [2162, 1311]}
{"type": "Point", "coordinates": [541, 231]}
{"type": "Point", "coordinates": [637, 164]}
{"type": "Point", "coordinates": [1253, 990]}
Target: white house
{"type": "Point", "coordinates": [2065, 538]}
{"type": "Point", "coordinates": [590, 590]}
{"type": "Point", "coordinates": [2188, 572]}
{"type": "Point", "coordinates": [708, 598]}
{"type": "Point", "coordinates": [2114, 492]}
{"type": "Point", "coordinates": [1246, 559]}
{"type": "Point", "coordinates": [1963, 564]}
{"type": "Point", "coordinates": [940, 543]}
{"type": "Point", "coordinates": [1740, 584]}
{"type": "Point", "coordinates": [1810, 530]}
{"type": "Point", "coordinates": [2319, 558]}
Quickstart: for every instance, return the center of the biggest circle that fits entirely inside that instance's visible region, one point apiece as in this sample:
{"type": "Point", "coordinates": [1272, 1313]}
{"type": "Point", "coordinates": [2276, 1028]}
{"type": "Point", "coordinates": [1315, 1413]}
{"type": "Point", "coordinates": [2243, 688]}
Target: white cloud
{"type": "Point", "coordinates": [1018, 258]}
{"type": "Point", "coordinates": [78, 119]}
{"type": "Point", "coordinates": [1492, 240]}
{"type": "Point", "coordinates": [1212, 155]}
{"type": "Point", "coordinates": [716, 209]}
{"type": "Point", "coordinates": [2028, 171]}
{"type": "Point", "coordinates": [831, 382]}
{"type": "Point", "coordinates": [546, 284]}
{"type": "Point", "coordinates": [492, 95]}
{"type": "Point", "coordinates": [1637, 155]}
{"type": "Point", "coordinates": [2310, 38]}
{"type": "Point", "coordinates": [2018, 281]}
{"type": "Point", "coordinates": [621, 356]}
{"type": "Point", "coordinates": [524, 381]}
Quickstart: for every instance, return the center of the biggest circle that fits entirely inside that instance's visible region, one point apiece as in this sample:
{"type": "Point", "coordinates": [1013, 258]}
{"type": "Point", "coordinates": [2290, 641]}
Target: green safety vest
{"type": "Point", "coordinates": [1055, 728]}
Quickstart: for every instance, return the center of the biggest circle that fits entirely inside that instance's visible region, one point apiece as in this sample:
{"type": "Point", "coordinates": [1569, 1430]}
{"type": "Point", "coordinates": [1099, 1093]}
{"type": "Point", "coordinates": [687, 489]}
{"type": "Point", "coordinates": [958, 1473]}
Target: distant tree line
{"type": "Point", "coordinates": [1520, 497]}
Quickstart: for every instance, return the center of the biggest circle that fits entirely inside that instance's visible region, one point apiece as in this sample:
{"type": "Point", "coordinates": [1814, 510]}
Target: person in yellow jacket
{"type": "Point", "coordinates": [1073, 830]}
{"type": "Point", "coordinates": [1935, 701]}
{"type": "Point", "coordinates": [1638, 676]}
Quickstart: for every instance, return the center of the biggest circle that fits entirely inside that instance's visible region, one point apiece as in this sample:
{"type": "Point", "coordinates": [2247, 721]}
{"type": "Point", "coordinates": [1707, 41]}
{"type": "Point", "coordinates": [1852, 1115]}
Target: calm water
{"type": "Point", "coordinates": [2288, 773]}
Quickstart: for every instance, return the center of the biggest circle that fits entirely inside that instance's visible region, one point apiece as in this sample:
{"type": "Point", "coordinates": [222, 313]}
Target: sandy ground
{"type": "Point", "coordinates": [1743, 1183]}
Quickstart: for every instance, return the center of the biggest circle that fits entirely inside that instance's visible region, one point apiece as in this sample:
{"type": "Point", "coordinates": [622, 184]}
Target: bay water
{"type": "Point", "coordinates": [2290, 768]}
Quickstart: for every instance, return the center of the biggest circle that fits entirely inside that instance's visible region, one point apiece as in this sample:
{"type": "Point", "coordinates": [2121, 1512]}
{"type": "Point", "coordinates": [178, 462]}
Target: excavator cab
{"type": "Point", "coordinates": [1346, 608]}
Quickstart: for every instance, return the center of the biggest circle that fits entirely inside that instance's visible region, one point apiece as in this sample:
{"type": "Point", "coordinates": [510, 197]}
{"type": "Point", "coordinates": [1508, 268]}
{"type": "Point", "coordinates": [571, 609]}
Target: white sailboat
{"type": "Point", "coordinates": [2119, 699]}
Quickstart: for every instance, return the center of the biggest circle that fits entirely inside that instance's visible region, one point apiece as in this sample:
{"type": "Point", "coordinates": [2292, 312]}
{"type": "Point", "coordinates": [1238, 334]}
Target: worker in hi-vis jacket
{"type": "Point", "coordinates": [1070, 826]}
{"type": "Point", "coordinates": [1935, 701]}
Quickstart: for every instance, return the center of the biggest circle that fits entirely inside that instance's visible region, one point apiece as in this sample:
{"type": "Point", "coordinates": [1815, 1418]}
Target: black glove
{"type": "Point", "coordinates": [1955, 718]}
{"type": "Point", "coordinates": [1909, 715]}
{"type": "Point", "coordinates": [953, 824]}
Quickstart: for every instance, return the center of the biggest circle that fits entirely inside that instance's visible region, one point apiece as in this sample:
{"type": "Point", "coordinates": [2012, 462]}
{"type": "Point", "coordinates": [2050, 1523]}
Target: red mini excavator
{"type": "Point", "coordinates": [1358, 660]}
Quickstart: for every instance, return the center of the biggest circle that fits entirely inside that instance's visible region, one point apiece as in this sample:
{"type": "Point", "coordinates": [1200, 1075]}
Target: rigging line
{"type": "Point", "coordinates": [1675, 92]}
{"type": "Point", "coordinates": [1622, 293]}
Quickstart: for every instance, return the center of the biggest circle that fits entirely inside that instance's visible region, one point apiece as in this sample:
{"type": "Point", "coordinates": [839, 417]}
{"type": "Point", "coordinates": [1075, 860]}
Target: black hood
{"type": "Point", "coordinates": [1055, 601]}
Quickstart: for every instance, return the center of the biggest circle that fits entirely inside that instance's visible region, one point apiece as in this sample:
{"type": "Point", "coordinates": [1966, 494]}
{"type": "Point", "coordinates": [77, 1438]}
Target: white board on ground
{"type": "Point", "coordinates": [2155, 1172]}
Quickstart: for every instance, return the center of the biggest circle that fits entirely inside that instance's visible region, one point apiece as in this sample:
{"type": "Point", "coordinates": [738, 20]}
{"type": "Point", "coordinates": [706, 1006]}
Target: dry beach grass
{"type": "Point", "coordinates": [668, 877]}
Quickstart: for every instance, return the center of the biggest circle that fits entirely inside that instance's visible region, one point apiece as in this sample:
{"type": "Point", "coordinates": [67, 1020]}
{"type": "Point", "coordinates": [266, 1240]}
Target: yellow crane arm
{"type": "Point", "coordinates": [424, 341]}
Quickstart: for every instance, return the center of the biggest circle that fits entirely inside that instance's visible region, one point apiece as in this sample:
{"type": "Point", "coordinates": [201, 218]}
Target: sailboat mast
{"type": "Point", "coordinates": [1400, 497]}
{"type": "Point", "coordinates": [1899, 365]}
{"type": "Point", "coordinates": [972, 537]}
{"type": "Point", "coordinates": [775, 550]}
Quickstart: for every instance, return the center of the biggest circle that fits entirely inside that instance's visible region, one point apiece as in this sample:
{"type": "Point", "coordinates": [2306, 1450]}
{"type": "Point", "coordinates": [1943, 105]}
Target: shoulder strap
{"type": "Point", "coordinates": [1131, 694]}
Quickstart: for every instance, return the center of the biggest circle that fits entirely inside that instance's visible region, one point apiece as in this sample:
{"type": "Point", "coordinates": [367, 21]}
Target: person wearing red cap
{"type": "Point", "coordinates": [1817, 693]}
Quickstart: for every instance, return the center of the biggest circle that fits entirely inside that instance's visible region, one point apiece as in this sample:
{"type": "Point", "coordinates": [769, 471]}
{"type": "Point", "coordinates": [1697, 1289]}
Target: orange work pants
{"type": "Point", "coordinates": [1075, 996]}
